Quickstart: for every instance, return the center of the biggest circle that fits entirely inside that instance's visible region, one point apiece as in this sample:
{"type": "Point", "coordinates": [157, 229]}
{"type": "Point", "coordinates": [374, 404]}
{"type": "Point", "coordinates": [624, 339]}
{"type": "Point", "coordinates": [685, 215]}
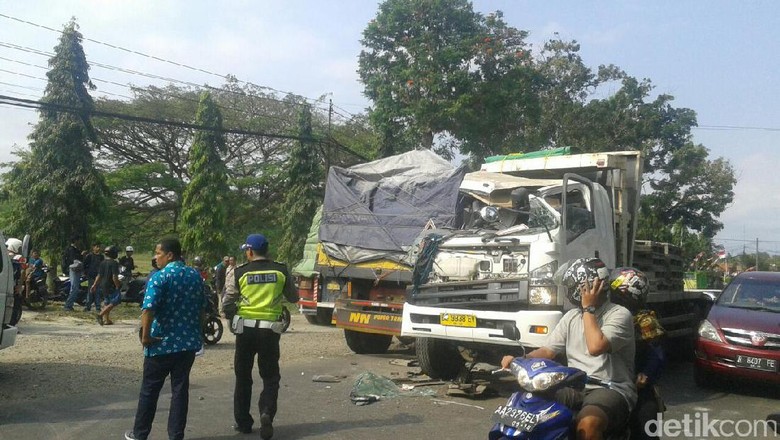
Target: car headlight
{"type": "Point", "coordinates": [541, 295]}
{"type": "Point", "coordinates": [709, 332]}
{"type": "Point", "coordinates": [540, 382]}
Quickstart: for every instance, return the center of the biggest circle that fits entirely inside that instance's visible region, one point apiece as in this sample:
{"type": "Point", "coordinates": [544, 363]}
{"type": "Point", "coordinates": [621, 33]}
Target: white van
{"type": "Point", "coordinates": [7, 332]}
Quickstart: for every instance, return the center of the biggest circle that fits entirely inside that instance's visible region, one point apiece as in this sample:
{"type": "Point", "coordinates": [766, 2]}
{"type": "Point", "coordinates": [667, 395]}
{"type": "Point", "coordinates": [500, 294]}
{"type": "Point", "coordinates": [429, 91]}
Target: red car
{"type": "Point", "coordinates": [741, 336]}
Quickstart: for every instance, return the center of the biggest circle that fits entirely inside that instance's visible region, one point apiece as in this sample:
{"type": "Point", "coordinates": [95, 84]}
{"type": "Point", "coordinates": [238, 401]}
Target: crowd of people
{"type": "Point", "coordinates": [172, 320]}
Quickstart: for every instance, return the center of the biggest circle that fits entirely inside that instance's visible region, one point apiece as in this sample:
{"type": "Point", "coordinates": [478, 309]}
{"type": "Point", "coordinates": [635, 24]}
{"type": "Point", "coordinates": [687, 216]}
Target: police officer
{"type": "Point", "coordinates": [255, 313]}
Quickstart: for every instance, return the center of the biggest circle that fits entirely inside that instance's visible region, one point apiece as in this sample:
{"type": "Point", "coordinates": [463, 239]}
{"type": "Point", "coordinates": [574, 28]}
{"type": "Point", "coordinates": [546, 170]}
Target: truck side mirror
{"type": "Point", "coordinates": [519, 198]}
{"type": "Point", "coordinates": [511, 331]}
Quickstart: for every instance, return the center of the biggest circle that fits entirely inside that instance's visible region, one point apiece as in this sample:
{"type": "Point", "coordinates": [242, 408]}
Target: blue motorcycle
{"type": "Point", "coordinates": [533, 414]}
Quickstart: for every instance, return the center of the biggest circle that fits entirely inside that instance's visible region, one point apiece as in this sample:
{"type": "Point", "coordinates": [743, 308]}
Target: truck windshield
{"type": "Point", "coordinates": [539, 217]}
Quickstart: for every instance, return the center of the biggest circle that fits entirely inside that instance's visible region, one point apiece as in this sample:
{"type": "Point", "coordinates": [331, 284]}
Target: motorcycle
{"type": "Point", "coordinates": [62, 288]}
{"type": "Point", "coordinates": [533, 413]}
{"type": "Point", "coordinates": [212, 328]}
{"type": "Point", "coordinates": [37, 293]}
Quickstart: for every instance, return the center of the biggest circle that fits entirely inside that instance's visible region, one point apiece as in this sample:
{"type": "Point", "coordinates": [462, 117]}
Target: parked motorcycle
{"type": "Point", "coordinates": [37, 295]}
{"type": "Point", "coordinates": [212, 328]}
{"type": "Point", "coordinates": [62, 288]}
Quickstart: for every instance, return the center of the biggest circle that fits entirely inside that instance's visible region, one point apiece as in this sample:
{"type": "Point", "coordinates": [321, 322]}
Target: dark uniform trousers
{"type": "Point", "coordinates": [265, 344]}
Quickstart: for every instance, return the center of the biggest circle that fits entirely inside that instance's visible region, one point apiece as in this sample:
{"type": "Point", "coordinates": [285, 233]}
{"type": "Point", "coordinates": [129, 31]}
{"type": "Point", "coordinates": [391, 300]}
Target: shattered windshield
{"type": "Point", "coordinates": [541, 215]}
{"type": "Point", "coordinates": [538, 217]}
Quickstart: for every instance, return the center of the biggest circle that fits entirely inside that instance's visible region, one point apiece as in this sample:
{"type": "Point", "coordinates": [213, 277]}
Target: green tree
{"type": "Point", "coordinates": [204, 200]}
{"type": "Point", "coordinates": [687, 190]}
{"type": "Point", "coordinates": [54, 189]}
{"type": "Point", "coordinates": [304, 194]}
{"type": "Point", "coordinates": [438, 68]}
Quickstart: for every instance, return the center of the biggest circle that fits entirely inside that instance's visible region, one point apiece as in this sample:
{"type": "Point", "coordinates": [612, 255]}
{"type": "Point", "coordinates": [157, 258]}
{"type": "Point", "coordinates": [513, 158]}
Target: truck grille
{"type": "Point", "coordinates": [472, 294]}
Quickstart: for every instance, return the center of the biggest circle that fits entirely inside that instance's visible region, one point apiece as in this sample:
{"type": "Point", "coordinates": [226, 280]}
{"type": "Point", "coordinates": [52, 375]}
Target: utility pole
{"type": "Point", "coordinates": [756, 253]}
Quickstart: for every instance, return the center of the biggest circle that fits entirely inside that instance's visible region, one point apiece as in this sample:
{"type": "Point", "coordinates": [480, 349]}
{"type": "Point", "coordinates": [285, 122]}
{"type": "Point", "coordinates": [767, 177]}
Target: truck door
{"type": "Point", "coordinates": [586, 225]}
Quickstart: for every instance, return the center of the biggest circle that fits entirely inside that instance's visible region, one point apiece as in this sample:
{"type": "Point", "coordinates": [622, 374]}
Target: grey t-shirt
{"type": "Point", "coordinates": [616, 366]}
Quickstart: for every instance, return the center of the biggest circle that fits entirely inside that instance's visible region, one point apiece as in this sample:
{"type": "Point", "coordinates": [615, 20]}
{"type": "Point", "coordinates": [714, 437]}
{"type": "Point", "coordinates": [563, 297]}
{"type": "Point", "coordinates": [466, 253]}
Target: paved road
{"type": "Point", "coordinates": [315, 410]}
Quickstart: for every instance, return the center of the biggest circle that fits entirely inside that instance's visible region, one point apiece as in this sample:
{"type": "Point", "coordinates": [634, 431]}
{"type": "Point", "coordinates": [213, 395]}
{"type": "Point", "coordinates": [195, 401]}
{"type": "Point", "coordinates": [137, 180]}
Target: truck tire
{"type": "Point", "coordinates": [438, 359]}
{"type": "Point", "coordinates": [367, 343]}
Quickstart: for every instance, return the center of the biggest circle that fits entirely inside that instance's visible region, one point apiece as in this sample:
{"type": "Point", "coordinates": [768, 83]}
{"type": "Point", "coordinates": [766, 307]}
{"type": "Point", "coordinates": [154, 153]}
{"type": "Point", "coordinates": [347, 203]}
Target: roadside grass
{"type": "Point", "coordinates": [53, 311]}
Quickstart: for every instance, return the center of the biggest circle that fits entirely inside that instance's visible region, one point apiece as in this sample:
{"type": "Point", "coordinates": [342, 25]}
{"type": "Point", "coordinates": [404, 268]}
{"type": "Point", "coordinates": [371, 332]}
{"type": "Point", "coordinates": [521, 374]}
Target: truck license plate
{"type": "Point", "coordinates": [756, 363]}
{"type": "Point", "coordinates": [457, 320]}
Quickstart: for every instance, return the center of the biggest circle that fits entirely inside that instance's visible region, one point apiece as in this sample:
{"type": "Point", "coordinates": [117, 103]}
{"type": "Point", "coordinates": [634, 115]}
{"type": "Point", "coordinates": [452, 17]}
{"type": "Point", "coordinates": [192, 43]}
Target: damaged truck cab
{"type": "Point", "coordinates": [527, 216]}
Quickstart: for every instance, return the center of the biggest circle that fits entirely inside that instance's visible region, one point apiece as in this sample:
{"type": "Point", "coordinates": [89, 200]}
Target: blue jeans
{"type": "Point", "coordinates": [75, 285]}
{"type": "Point", "coordinates": [92, 298]}
{"type": "Point", "coordinates": [156, 369]}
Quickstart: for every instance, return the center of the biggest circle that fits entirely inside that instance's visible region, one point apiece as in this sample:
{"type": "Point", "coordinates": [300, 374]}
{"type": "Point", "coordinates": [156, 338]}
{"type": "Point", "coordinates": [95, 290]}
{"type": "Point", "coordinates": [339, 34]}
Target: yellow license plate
{"type": "Point", "coordinates": [456, 320]}
{"type": "Point", "coordinates": [334, 287]}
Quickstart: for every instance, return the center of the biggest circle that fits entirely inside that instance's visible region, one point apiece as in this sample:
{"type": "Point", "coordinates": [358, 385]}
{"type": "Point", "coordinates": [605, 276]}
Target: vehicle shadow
{"type": "Point", "coordinates": [304, 430]}
{"type": "Point", "coordinates": [678, 388]}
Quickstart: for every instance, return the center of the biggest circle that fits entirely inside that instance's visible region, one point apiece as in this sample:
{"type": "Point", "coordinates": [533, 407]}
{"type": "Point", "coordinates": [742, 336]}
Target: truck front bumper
{"type": "Point", "coordinates": [534, 325]}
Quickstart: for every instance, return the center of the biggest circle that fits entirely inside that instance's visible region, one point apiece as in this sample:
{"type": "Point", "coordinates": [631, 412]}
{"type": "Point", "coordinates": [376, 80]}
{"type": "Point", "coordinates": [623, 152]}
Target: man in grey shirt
{"type": "Point", "coordinates": [597, 337]}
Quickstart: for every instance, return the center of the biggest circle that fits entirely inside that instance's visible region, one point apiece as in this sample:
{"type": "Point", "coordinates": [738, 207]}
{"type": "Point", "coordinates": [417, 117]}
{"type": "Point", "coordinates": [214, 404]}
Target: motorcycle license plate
{"type": "Point", "coordinates": [756, 363]}
{"type": "Point", "coordinates": [457, 320]}
{"type": "Point", "coordinates": [516, 418]}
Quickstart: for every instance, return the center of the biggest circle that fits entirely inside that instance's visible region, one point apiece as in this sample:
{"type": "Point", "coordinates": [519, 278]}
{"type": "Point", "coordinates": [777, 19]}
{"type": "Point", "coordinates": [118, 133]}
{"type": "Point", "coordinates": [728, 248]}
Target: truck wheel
{"type": "Point", "coordinates": [367, 343]}
{"type": "Point", "coordinates": [324, 316]}
{"type": "Point", "coordinates": [312, 319]}
{"type": "Point", "coordinates": [438, 359]}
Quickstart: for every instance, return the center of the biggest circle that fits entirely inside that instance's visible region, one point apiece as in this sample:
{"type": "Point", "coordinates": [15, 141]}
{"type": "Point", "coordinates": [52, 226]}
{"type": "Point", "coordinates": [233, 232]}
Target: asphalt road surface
{"type": "Point", "coordinates": [321, 410]}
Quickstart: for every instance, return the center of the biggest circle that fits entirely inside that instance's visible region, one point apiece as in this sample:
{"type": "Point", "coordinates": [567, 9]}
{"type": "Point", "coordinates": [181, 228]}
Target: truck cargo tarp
{"type": "Point", "coordinates": [305, 267]}
{"type": "Point", "coordinates": [560, 151]}
{"type": "Point", "coordinates": [377, 209]}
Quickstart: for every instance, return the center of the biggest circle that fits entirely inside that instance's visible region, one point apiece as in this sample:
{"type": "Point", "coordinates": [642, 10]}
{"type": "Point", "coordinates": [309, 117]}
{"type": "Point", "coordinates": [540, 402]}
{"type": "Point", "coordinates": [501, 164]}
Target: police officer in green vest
{"type": "Point", "coordinates": [255, 315]}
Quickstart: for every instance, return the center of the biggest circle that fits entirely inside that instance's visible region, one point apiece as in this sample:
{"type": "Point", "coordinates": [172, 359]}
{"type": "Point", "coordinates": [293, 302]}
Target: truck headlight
{"type": "Point", "coordinates": [541, 287]}
{"type": "Point", "coordinates": [541, 295]}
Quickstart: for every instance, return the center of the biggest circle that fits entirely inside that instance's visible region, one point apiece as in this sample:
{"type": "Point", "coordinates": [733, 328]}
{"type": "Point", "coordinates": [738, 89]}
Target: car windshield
{"type": "Point", "coordinates": [751, 294]}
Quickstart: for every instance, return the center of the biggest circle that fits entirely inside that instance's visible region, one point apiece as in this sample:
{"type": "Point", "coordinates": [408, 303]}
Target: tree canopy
{"type": "Point", "coordinates": [439, 70]}
{"type": "Point", "coordinates": [204, 206]}
{"type": "Point", "coordinates": [54, 189]}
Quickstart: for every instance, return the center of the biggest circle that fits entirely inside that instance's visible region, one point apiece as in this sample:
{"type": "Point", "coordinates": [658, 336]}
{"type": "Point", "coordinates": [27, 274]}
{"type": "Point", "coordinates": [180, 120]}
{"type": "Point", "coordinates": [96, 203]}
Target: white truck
{"type": "Point", "coordinates": [527, 216]}
{"type": "Point", "coordinates": [7, 331]}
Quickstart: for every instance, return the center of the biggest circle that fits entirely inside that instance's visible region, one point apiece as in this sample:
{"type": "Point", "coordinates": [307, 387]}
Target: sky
{"type": "Point", "coordinates": [719, 58]}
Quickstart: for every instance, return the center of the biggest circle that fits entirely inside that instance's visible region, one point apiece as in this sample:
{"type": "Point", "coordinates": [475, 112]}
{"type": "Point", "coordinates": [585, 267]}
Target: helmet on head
{"type": "Point", "coordinates": [14, 245]}
{"type": "Point", "coordinates": [574, 273]}
{"type": "Point", "coordinates": [628, 287]}
{"type": "Point", "coordinates": [129, 249]}
{"type": "Point", "coordinates": [111, 251]}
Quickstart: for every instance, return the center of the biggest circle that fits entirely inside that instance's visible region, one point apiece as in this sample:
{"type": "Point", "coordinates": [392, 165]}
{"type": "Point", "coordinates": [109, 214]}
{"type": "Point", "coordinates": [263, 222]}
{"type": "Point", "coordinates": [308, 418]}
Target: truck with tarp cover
{"type": "Point", "coordinates": [525, 215]}
{"type": "Point", "coordinates": [357, 263]}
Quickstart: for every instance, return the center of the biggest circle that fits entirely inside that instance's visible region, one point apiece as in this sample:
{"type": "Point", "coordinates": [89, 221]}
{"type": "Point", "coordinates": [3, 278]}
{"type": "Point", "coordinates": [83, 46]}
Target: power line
{"type": "Point", "coordinates": [733, 127]}
{"type": "Point", "coordinates": [197, 69]}
{"type": "Point", "coordinates": [26, 103]}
